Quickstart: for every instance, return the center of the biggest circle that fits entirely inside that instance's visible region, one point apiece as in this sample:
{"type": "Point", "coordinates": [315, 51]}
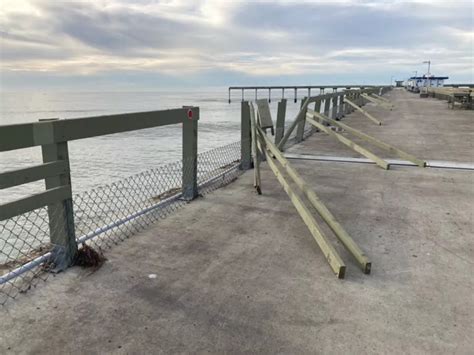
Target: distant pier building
{"type": "Point", "coordinates": [415, 83]}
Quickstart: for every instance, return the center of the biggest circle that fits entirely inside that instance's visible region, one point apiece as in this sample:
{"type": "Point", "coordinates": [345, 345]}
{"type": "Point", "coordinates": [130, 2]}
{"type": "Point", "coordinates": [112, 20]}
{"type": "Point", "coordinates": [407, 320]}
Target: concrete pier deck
{"type": "Point", "coordinates": [237, 272]}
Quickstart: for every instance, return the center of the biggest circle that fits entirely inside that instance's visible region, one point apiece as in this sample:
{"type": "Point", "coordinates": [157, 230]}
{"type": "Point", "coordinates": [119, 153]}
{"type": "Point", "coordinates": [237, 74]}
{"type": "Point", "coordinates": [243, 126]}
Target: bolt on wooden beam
{"type": "Point", "coordinates": [323, 211]}
{"type": "Point", "coordinates": [368, 115]}
{"type": "Point", "coordinates": [400, 153]}
{"type": "Point", "coordinates": [379, 161]}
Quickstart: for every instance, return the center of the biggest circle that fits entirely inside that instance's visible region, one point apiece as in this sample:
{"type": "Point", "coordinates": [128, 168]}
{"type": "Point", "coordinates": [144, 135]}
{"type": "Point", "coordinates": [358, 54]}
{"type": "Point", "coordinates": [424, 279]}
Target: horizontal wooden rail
{"type": "Point", "coordinates": [301, 87]}
{"type": "Point", "coordinates": [32, 173]}
{"type": "Point", "coordinates": [48, 132]}
{"type": "Point", "coordinates": [379, 161]}
{"type": "Point", "coordinates": [30, 203]}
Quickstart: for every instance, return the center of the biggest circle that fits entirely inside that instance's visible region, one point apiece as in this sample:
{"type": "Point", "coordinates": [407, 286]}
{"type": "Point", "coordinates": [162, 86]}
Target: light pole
{"type": "Point", "coordinates": [428, 75]}
{"type": "Point", "coordinates": [391, 80]}
{"type": "Point", "coordinates": [429, 66]}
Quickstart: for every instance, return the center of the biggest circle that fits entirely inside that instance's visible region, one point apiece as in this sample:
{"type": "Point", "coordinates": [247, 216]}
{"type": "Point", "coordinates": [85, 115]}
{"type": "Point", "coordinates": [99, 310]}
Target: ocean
{"type": "Point", "coordinates": [101, 160]}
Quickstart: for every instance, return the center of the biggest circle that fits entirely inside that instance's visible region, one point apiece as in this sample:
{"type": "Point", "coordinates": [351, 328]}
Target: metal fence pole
{"type": "Point", "coordinates": [61, 214]}
{"type": "Point", "coordinates": [190, 145]}
{"type": "Point", "coordinates": [245, 137]}
{"type": "Point", "coordinates": [301, 124]}
{"type": "Point", "coordinates": [280, 122]}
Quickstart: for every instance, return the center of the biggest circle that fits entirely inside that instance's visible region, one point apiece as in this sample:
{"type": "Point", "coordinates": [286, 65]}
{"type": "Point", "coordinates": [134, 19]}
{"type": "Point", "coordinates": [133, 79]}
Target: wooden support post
{"type": "Point", "coordinates": [301, 124]}
{"type": "Point", "coordinates": [350, 97]}
{"type": "Point", "coordinates": [327, 216]}
{"type": "Point", "coordinates": [317, 108]}
{"type": "Point", "coordinates": [366, 114]}
{"type": "Point", "coordinates": [328, 250]}
{"type": "Point", "coordinates": [379, 161]}
{"type": "Point", "coordinates": [334, 107]}
{"type": "Point", "coordinates": [327, 104]}
{"type": "Point", "coordinates": [373, 140]}
{"type": "Point", "coordinates": [280, 122]}
{"type": "Point", "coordinates": [342, 107]}
{"type": "Point", "coordinates": [60, 214]}
{"type": "Point", "coordinates": [245, 137]}
{"type": "Point", "coordinates": [190, 148]}
{"type": "Point", "coordinates": [255, 153]}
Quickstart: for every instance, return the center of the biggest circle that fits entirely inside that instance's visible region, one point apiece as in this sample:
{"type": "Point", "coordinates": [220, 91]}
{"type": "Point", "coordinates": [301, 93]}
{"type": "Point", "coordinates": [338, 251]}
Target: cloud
{"type": "Point", "coordinates": [264, 40]}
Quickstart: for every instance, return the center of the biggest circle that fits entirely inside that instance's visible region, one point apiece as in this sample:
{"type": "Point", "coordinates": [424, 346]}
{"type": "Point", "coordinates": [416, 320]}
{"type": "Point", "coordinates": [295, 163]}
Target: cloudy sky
{"type": "Point", "coordinates": [143, 44]}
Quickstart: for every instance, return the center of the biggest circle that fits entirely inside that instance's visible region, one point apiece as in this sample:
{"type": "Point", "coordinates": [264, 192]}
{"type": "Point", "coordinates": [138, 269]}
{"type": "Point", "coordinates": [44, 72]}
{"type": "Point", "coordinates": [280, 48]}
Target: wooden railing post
{"type": "Point", "coordinates": [327, 103]}
{"type": "Point", "coordinates": [60, 214]}
{"type": "Point", "coordinates": [190, 148]}
{"type": "Point", "coordinates": [280, 121]}
{"type": "Point", "coordinates": [342, 111]}
{"type": "Point", "coordinates": [245, 137]}
{"type": "Point", "coordinates": [301, 124]}
{"type": "Point", "coordinates": [334, 106]}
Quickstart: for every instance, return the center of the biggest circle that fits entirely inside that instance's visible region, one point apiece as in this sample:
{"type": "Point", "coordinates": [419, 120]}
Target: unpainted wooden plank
{"type": "Point", "coordinates": [368, 154]}
{"type": "Point", "coordinates": [324, 212]}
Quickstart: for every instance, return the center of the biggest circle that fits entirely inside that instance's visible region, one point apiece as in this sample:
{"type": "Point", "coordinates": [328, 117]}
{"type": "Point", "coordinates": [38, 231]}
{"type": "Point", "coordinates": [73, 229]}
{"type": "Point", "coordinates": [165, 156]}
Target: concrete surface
{"type": "Point", "coordinates": [240, 273]}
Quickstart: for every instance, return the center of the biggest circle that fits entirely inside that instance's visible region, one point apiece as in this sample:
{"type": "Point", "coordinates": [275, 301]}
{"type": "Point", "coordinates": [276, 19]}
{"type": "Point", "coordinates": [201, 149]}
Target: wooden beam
{"type": "Point", "coordinates": [331, 255]}
{"type": "Point", "coordinates": [382, 98]}
{"type": "Point", "coordinates": [33, 202]}
{"type": "Point", "coordinates": [379, 161]}
{"type": "Point", "coordinates": [299, 117]}
{"type": "Point", "coordinates": [32, 173]}
{"type": "Point", "coordinates": [48, 132]}
{"type": "Point", "coordinates": [368, 115]}
{"type": "Point", "coordinates": [324, 212]}
{"type": "Point", "coordinates": [255, 154]}
{"type": "Point", "coordinates": [400, 153]}
{"type": "Point", "coordinates": [377, 102]}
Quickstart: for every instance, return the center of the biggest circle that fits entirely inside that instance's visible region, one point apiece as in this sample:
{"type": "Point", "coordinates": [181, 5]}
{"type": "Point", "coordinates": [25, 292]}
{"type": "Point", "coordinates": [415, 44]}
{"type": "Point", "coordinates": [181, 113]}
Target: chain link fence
{"type": "Point", "coordinates": [105, 216]}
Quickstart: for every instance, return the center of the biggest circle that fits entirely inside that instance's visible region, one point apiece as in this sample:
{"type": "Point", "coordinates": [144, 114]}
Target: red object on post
{"type": "Point", "coordinates": [190, 114]}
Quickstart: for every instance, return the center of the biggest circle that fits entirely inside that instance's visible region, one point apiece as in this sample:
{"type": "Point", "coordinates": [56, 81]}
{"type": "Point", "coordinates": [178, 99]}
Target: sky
{"type": "Point", "coordinates": [146, 44]}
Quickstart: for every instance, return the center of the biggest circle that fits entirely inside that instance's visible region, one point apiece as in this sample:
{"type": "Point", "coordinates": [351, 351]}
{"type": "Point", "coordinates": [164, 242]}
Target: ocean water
{"type": "Point", "coordinates": [99, 160]}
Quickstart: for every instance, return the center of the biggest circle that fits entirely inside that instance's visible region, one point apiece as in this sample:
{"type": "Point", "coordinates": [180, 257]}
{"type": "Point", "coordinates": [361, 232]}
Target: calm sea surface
{"type": "Point", "coordinates": [100, 160]}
